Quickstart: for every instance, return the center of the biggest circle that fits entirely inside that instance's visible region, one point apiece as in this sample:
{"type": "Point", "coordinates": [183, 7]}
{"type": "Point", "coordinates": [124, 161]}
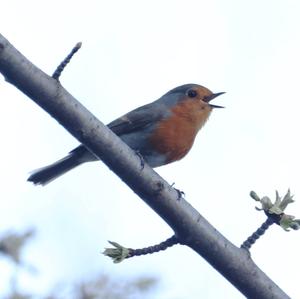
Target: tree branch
{"type": "Point", "coordinates": [189, 226]}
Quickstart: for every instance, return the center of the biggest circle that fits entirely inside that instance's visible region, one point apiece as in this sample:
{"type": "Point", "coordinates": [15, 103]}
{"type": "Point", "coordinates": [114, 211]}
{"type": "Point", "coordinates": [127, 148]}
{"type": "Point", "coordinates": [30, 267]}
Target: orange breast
{"type": "Point", "coordinates": [175, 136]}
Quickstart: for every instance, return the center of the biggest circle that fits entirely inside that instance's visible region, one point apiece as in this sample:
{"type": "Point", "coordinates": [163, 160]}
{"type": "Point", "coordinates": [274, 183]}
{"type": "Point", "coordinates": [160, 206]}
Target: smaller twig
{"type": "Point", "coordinates": [119, 253]}
{"type": "Point", "coordinates": [63, 64]}
{"type": "Point", "coordinates": [275, 213]}
{"type": "Point", "coordinates": [258, 233]}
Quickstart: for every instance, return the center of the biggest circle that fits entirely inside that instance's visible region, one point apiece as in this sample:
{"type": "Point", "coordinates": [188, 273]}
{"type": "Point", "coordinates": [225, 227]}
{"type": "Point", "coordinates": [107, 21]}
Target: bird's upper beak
{"type": "Point", "coordinates": [213, 96]}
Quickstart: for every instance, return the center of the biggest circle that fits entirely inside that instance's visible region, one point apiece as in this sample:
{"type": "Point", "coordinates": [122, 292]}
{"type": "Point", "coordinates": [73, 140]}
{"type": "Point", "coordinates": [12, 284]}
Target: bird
{"type": "Point", "coordinates": [161, 132]}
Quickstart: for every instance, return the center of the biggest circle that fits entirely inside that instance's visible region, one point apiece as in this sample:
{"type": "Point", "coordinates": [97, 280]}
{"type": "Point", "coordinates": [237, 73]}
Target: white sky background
{"type": "Point", "coordinates": [133, 52]}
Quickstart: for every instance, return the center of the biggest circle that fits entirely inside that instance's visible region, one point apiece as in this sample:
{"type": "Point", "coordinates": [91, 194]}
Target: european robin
{"type": "Point", "coordinates": [162, 131]}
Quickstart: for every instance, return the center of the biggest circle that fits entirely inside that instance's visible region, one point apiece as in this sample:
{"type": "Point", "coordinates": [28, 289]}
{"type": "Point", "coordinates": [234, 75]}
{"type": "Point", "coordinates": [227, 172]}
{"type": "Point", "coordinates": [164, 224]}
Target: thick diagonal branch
{"type": "Point", "coordinates": [189, 226]}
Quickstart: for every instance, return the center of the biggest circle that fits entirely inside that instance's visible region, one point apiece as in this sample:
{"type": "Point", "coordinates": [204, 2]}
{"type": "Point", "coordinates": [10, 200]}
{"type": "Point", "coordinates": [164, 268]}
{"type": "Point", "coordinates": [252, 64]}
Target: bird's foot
{"type": "Point", "coordinates": [141, 159]}
{"type": "Point", "coordinates": [180, 193]}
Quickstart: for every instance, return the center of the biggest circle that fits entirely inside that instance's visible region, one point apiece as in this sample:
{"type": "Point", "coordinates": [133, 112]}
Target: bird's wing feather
{"type": "Point", "coordinates": [137, 119]}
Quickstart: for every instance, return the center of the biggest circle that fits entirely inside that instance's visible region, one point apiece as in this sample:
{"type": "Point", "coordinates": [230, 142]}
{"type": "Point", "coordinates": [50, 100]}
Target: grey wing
{"type": "Point", "coordinates": [138, 119]}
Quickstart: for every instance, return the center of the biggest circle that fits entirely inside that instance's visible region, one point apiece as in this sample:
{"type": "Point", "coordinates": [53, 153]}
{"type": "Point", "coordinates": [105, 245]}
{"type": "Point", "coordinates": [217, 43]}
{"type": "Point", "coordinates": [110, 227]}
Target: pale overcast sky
{"type": "Point", "coordinates": [133, 52]}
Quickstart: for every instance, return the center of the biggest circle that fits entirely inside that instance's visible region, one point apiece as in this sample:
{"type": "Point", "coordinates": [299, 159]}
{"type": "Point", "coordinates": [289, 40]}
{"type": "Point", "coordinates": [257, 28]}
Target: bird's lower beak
{"type": "Point", "coordinates": [213, 96]}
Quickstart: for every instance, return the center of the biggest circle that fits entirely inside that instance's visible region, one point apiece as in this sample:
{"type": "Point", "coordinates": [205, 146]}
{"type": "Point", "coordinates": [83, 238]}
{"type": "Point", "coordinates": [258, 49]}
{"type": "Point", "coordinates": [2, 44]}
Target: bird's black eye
{"type": "Point", "coordinates": [192, 93]}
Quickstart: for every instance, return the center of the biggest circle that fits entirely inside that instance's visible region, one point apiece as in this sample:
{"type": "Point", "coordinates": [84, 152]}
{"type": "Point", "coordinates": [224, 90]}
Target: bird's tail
{"type": "Point", "coordinates": [45, 175]}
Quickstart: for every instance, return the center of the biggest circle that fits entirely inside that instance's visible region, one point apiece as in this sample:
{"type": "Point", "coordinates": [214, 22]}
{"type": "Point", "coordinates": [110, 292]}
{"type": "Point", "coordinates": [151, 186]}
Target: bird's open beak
{"type": "Point", "coordinates": [213, 96]}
